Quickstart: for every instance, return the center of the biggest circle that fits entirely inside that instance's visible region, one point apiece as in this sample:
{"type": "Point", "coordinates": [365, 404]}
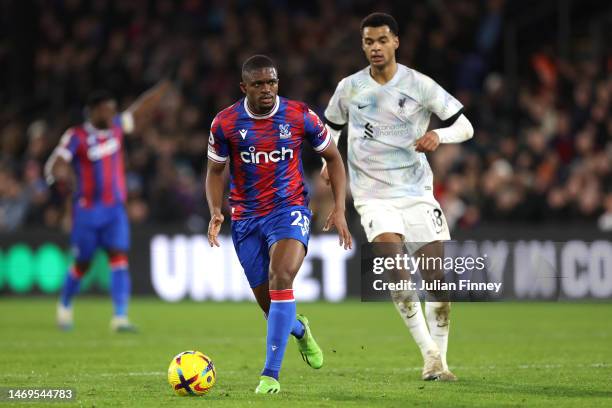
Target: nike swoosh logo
{"type": "Point", "coordinates": [412, 315]}
{"type": "Point", "coordinates": [362, 106]}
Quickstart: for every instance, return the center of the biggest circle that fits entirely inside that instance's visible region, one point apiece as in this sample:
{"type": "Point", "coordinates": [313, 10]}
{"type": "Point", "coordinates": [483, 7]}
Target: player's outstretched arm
{"type": "Point", "coordinates": [143, 107]}
{"type": "Point", "coordinates": [214, 195]}
{"type": "Point", "coordinates": [337, 177]}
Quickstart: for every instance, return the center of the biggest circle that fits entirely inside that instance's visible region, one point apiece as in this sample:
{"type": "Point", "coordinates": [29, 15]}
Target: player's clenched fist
{"type": "Point", "coordinates": [428, 142]}
{"type": "Point", "coordinates": [214, 226]}
{"type": "Point", "coordinates": [336, 219]}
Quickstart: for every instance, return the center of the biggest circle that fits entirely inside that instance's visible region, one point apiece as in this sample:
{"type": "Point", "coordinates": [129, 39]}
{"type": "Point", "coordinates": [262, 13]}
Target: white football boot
{"type": "Point", "coordinates": [64, 317]}
{"type": "Point", "coordinates": [121, 324]}
{"type": "Point", "coordinates": [432, 368]}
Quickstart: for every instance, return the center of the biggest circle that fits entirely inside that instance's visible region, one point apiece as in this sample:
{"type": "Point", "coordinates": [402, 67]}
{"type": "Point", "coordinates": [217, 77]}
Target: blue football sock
{"type": "Point", "coordinates": [71, 287]}
{"type": "Point", "coordinates": [120, 285]}
{"type": "Point", "coordinates": [281, 319]}
{"type": "Point", "coordinates": [297, 330]}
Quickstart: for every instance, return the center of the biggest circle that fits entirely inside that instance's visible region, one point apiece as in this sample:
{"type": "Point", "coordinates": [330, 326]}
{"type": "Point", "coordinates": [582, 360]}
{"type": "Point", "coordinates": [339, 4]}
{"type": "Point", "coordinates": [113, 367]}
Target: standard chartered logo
{"type": "Point", "coordinates": [24, 269]}
{"type": "Point", "coordinates": [375, 132]}
{"type": "Point", "coordinates": [255, 157]}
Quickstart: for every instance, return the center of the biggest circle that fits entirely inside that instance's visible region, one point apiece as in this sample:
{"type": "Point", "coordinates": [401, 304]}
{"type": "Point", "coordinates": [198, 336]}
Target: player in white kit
{"type": "Point", "coordinates": [387, 107]}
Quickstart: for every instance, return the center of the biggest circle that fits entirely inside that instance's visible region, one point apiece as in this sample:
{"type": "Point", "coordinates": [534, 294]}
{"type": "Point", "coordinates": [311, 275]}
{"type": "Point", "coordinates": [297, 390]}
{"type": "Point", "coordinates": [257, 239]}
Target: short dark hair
{"type": "Point", "coordinates": [379, 20]}
{"type": "Point", "coordinates": [257, 62]}
{"type": "Point", "coordinates": [97, 97]}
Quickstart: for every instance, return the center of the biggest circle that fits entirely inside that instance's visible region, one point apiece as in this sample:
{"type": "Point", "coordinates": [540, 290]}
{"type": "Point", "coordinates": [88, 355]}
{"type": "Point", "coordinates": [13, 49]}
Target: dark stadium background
{"type": "Point", "coordinates": [533, 189]}
{"type": "Point", "coordinates": [535, 79]}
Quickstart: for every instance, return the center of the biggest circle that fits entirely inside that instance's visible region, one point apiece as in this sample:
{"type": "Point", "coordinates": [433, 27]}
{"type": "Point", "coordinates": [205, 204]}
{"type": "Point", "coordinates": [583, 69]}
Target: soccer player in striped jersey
{"type": "Point", "coordinates": [94, 152]}
{"type": "Point", "coordinates": [261, 137]}
{"type": "Point", "coordinates": [387, 107]}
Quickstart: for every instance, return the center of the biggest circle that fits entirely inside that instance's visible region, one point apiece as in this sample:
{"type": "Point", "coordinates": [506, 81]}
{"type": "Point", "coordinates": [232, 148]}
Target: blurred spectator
{"type": "Point", "coordinates": [542, 148]}
{"type": "Point", "coordinates": [13, 201]}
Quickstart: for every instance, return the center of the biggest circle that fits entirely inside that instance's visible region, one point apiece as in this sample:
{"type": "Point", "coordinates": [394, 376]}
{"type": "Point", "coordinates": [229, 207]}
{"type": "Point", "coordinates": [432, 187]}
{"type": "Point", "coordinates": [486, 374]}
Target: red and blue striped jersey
{"type": "Point", "coordinates": [96, 156]}
{"type": "Point", "coordinates": [265, 154]}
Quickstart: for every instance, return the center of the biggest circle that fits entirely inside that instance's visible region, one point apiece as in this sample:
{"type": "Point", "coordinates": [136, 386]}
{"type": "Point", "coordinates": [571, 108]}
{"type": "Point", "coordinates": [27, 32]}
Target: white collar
{"type": "Point", "coordinates": [390, 82]}
{"type": "Point", "coordinates": [264, 116]}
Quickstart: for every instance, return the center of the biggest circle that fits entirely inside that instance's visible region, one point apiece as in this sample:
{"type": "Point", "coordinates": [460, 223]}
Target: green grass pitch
{"type": "Point", "coordinates": [510, 354]}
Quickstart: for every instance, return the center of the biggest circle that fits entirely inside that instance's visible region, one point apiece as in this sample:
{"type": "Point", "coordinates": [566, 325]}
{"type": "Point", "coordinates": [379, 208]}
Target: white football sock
{"type": "Point", "coordinates": [408, 305]}
{"type": "Point", "coordinates": [437, 314]}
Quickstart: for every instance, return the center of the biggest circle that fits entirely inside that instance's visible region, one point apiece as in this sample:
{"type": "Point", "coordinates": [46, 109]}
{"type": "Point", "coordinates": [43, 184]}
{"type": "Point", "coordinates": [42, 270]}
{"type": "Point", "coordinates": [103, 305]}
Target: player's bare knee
{"type": "Point", "coordinates": [281, 277]}
{"type": "Point", "coordinates": [280, 282]}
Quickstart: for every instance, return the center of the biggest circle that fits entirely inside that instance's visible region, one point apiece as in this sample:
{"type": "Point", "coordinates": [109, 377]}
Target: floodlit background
{"type": "Point", "coordinates": [534, 78]}
{"type": "Point", "coordinates": [533, 188]}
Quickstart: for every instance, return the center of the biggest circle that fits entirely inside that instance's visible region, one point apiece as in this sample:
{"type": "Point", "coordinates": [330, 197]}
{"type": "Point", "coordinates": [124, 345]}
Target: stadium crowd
{"type": "Point", "coordinates": [542, 147]}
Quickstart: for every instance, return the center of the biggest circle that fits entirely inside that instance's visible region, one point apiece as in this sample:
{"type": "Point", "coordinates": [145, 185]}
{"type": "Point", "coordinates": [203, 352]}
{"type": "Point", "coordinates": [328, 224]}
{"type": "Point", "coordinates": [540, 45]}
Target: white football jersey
{"type": "Point", "coordinates": [384, 122]}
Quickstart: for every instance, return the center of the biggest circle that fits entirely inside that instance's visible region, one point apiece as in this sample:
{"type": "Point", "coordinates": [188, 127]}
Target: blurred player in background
{"type": "Point", "coordinates": [94, 151]}
{"type": "Point", "coordinates": [261, 137]}
{"type": "Point", "coordinates": [387, 107]}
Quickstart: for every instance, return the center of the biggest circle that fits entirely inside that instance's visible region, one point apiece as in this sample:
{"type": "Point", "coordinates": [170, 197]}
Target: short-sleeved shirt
{"type": "Point", "coordinates": [384, 121]}
{"type": "Point", "coordinates": [96, 156]}
{"type": "Point", "coordinates": [264, 153]}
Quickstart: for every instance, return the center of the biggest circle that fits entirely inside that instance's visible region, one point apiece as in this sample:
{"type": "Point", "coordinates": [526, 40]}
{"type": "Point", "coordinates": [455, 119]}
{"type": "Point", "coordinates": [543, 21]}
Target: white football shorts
{"type": "Point", "coordinates": [417, 219]}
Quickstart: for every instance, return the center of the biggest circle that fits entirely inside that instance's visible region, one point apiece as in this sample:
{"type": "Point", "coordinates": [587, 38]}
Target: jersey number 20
{"type": "Point", "coordinates": [301, 221]}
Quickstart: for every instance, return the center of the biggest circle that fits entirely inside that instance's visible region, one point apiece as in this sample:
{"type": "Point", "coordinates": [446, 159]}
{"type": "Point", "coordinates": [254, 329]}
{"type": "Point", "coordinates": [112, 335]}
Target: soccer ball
{"type": "Point", "coordinates": [191, 373]}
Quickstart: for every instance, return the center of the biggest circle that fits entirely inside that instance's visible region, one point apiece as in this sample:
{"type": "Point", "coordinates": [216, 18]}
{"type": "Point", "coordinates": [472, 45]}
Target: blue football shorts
{"type": "Point", "coordinates": [254, 236]}
{"type": "Point", "coordinates": [100, 226]}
